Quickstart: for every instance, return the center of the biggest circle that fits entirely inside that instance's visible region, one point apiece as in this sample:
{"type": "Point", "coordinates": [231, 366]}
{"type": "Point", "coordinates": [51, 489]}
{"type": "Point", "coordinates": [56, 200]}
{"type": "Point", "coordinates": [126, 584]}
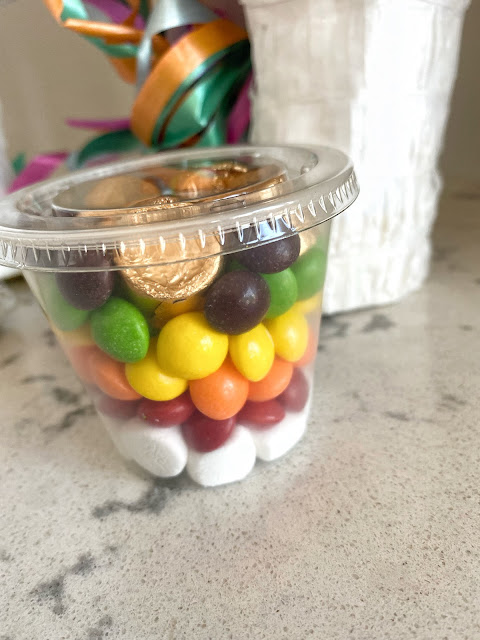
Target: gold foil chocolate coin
{"type": "Point", "coordinates": [172, 281]}
{"type": "Point", "coordinates": [117, 192]}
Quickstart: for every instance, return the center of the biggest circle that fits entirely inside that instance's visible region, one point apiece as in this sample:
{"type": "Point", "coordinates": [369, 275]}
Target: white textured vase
{"type": "Point", "coordinates": [374, 78]}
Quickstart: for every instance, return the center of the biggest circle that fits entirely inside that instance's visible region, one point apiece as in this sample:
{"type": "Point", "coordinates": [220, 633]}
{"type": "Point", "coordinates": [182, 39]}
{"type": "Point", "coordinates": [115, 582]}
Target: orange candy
{"type": "Point", "coordinates": [79, 357]}
{"type": "Point", "coordinates": [221, 394]}
{"type": "Point", "coordinates": [274, 383]}
{"type": "Point", "coordinates": [311, 350]}
{"type": "Point", "coordinates": [109, 376]}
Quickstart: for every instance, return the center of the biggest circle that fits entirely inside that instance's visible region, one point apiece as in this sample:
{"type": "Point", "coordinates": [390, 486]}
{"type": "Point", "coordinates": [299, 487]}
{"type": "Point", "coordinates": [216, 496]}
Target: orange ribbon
{"type": "Point", "coordinates": [174, 68]}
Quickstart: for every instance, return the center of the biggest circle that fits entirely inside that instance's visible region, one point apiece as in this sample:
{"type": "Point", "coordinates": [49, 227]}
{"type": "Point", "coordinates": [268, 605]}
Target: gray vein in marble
{"type": "Point", "coordinates": [71, 418]}
{"type": "Point", "coordinates": [9, 360]}
{"type": "Point", "coordinates": [66, 396]}
{"type": "Point", "coordinates": [49, 338]}
{"type": "Point", "coordinates": [5, 556]}
{"type": "Point", "coordinates": [451, 401]}
{"type": "Point", "coordinates": [41, 377]}
{"type": "Point", "coordinates": [53, 591]}
{"type": "Point", "coordinates": [334, 327]}
{"type": "Point", "coordinates": [378, 322]}
{"type": "Point", "coordinates": [153, 500]}
{"type": "Point", "coordinates": [98, 632]}
{"type": "Point", "coordinates": [398, 415]}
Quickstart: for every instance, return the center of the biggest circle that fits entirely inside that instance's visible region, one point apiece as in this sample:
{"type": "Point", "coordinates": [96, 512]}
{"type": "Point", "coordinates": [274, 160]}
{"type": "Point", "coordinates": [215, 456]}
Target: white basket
{"type": "Point", "coordinates": [374, 78]}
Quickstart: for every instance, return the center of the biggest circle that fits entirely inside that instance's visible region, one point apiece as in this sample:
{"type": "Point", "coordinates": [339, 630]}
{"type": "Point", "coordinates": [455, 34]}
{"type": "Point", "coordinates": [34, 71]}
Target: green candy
{"type": "Point", "coordinates": [120, 330]}
{"type": "Point", "coordinates": [61, 313]}
{"type": "Point", "coordinates": [310, 271]}
{"type": "Point", "coordinates": [283, 291]}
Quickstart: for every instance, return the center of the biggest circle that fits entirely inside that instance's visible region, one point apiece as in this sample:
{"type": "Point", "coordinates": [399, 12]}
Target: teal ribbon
{"type": "Point", "coordinates": [215, 91]}
{"type": "Point", "coordinates": [110, 143]}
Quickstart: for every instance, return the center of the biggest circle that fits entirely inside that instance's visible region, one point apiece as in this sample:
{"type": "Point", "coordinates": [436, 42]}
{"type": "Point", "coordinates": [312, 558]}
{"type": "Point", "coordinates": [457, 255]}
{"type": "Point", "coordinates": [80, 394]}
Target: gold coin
{"type": "Point", "coordinates": [117, 192]}
{"type": "Point", "coordinates": [172, 281]}
{"type": "Point", "coordinates": [225, 178]}
{"type": "Point", "coordinates": [161, 208]}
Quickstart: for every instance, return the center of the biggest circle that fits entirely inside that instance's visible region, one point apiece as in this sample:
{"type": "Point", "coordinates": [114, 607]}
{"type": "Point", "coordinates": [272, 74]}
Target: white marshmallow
{"type": "Point", "coordinates": [229, 463]}
{"type": "Point", "coordinates": [277, 440]}
{"type": "Point", "coordinates": [162, 451]}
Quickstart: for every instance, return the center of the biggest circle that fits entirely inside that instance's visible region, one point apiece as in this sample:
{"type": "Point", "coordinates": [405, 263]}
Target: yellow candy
{"type": "Point", "coordinates": [253, 353]}
{"type": "Point", "coordinates": [290, 335]}
{"type": "Point", "coordinates": [77, 338]}
{"type": "Point", "coordinates": [146, 377]}
{"type": "Point", "coordinates": [310, 304]}
{"type": "Point", "coordinates": [189, 348]}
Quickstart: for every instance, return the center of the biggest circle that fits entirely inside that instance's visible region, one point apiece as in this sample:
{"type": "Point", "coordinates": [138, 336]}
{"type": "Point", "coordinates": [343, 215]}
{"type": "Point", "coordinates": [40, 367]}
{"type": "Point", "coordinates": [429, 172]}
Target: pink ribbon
{"type": "Point", "coordinates": [39, 168]}
{"type": "Point", "coordinates": [99, 125]}
{"type": "Point", "coordinates": [239, 117]}
{"type": "Point", "coordinates": [116, 11]}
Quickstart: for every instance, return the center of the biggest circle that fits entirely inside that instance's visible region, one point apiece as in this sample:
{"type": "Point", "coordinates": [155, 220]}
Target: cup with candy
{"type": "Point", "coordinates": [185, 288]}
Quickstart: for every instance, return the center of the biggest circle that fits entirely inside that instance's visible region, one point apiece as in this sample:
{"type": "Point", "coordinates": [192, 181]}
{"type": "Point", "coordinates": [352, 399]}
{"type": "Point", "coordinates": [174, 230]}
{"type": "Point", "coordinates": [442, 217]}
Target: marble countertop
{"type": "Point", "coordinates": [369, 530]}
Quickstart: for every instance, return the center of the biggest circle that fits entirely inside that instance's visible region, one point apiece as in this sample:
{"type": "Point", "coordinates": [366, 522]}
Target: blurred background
{"type": "Point", "coordinates": [372, 77]}
{"type": "Point", "coordinates": [48, 74]}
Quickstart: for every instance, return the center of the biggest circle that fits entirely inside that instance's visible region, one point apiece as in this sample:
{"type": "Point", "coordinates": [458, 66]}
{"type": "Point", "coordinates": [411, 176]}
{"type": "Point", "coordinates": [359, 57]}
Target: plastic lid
{"type": "Point", "coordinates": [182, 204]}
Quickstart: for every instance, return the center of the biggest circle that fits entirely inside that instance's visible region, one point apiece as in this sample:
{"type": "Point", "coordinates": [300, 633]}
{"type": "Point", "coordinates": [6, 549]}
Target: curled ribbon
{"type": "Point", "coordinates": [191, 69]}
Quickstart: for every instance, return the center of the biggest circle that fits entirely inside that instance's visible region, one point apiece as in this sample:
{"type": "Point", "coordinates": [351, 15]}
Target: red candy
{"type": "Point", "coordinates": [167, 413]}
{"type": "Point", "coordinates": [204, 434]}
{"type": "Point", "coordinates": [121, 409]}
{"type": "Point", "coordinates": [261, 415]}
{"type": "Point", "coordinates": [295, 396]}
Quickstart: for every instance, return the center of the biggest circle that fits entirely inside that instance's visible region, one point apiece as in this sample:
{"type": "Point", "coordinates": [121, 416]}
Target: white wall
{"type": "Point", "coordinates": [48, 74]}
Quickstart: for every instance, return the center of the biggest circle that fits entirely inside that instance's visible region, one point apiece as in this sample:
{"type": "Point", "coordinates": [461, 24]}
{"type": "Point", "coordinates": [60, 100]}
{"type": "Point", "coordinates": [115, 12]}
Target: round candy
{"type": "Point", "coordinates": [261, 415]}
{"type": "Point", "coordinates": [237, 302]}
{"type": "Point", "coordinates": [311, 350]}
{"type": "Point", "coordinates": [309, 305]}
{"type": "Point", "coordinates": [109, 376]}
{"type": "Point", "coordinates": [310, 270]}
{"type": "Point", "coordinates": [189, 348]}
{"type": "Point", "coordinates": [295, 396]}
{"type": "Point", "coordinates": [150, 381]}
{"type": "Point", "coordinates": [168, 413]}
{"type": "Point", "coordinates": [61, 313]}
{"type": "Point", "coordinates": [290, 335]}
{"type": "Point", "coordinates": [222, 394]}
{"type": "Point", "coordinates": [204, 434]}
{"type": "Point", "coordinates": [120, 330]}
{"type": "Point", "coordinates": [272, 385]}
{"type": "Point", "coordinates": [272, 257]}
{"type": "Point", "coordinates": [283, 291]}
{"type": "Point", "coordinates": [120, 409]}
{"type": "Point", "coordinates": [253, 352]}
{"type": "Point", "coordinates": [87, 290]}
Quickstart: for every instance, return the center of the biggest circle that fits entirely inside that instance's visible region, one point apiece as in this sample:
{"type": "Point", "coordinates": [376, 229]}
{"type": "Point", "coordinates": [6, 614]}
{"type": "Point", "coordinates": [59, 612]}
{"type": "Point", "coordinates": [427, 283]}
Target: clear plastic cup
{"type": "Point", "coordinates": [185, 288]}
